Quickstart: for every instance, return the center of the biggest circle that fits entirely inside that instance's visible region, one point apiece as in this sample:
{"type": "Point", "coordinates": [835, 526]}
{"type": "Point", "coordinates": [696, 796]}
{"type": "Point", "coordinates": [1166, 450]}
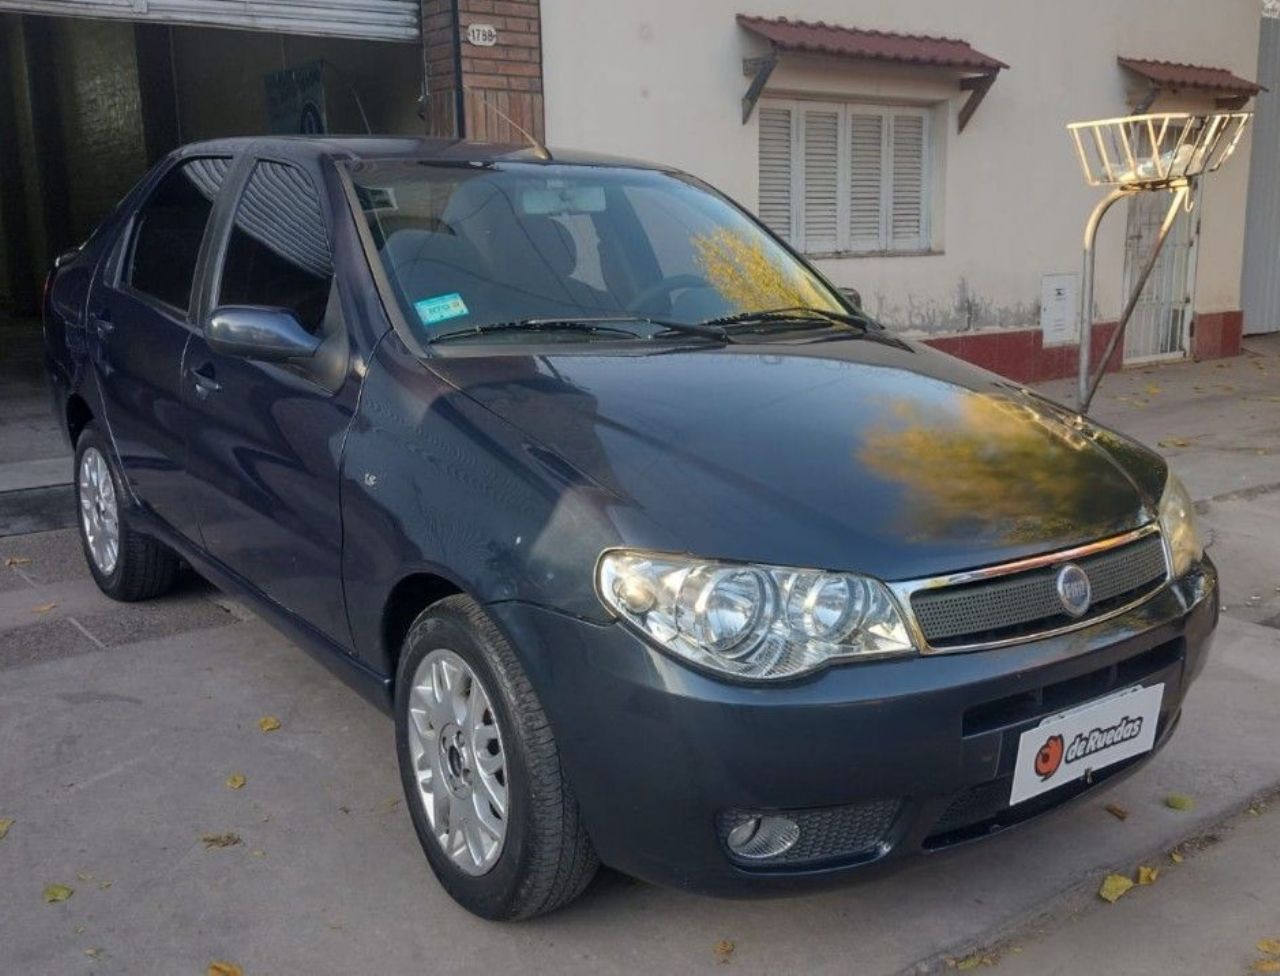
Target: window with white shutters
{"type": "Point", "coordinates": [845, 178]}
{"type": "Point", "coordinates": [775, 169]}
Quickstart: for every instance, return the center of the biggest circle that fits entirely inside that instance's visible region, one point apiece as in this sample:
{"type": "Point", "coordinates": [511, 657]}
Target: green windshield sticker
{"type": "Point", "coordinates": [441, 308]}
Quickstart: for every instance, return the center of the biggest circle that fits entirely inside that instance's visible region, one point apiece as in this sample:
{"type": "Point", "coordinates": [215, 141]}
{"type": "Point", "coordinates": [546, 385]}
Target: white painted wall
{"type": "Point", "coordinates": [663, 80]}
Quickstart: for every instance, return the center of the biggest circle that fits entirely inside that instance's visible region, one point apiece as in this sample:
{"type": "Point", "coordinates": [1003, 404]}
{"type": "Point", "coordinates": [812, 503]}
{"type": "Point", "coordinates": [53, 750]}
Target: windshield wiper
{"type": "Point", "coordinates": [794, 313]}
{"type": "Point", "coordinates": [597, 325]}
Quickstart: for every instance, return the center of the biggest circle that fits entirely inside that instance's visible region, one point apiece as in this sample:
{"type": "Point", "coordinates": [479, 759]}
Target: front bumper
{"type": "Point", "coordinates": [917, 752]}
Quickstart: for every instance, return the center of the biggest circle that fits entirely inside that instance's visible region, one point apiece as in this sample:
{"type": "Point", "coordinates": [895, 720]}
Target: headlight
{"type": "Point", "coordinates": [1178, 524]}
{"type": "Point", "coordinates": [749, 621]}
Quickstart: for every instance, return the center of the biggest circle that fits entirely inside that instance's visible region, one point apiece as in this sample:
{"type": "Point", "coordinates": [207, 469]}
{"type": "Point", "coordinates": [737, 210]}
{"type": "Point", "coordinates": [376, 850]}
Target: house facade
{"type": "Point", "coordinates": [915, 150]}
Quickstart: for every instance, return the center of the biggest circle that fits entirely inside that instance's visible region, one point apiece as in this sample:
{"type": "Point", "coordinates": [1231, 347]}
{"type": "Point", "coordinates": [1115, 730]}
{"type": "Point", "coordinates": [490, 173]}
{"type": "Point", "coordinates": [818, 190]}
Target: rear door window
{"type": "Point", "coordinates": [278, 254]}
{"type": "Point", "coordinates": [169, 228]}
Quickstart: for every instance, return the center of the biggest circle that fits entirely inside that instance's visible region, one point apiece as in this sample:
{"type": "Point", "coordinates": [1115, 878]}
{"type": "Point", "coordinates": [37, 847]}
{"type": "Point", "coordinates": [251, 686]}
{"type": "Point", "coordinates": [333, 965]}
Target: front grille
{"type": "Point", "coordinates": [1026, 603]}
{"type": "Point", "coordinates": [826, 834]}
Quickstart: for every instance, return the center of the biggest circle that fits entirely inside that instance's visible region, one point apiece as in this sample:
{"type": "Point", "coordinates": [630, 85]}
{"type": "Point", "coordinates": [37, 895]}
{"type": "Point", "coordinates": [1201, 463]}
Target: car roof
{"type": "Point", "coordinates": [387, 148]}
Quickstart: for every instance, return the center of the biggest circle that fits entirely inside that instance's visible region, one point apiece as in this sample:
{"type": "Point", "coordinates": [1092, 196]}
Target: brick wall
{"type": "Point", "coordinates": [502, 80]}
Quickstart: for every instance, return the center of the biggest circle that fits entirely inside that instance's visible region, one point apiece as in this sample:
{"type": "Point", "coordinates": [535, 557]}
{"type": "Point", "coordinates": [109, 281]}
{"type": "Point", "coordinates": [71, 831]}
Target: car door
{"type": "Point", "coordinates": [266, 445]}
{"type": "Point", "coordinates": [139, 318]}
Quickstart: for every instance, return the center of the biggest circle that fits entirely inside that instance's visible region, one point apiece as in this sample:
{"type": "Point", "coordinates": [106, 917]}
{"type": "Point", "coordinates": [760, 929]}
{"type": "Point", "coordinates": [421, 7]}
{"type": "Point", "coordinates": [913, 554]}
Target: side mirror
{"type": "Point", "coordinates": [853, 295]}
{"type": "Point", "coordinates": [271, 335]}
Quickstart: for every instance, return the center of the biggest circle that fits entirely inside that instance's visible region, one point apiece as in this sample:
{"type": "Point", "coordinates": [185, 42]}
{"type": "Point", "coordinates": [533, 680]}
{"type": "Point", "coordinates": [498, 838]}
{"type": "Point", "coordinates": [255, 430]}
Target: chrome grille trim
{"type": "Point", "coordinates": [905, 591]}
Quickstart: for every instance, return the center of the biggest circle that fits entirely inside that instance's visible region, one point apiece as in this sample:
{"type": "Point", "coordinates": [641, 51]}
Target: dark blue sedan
{"type": "Point", "coordinates": [661, 552]}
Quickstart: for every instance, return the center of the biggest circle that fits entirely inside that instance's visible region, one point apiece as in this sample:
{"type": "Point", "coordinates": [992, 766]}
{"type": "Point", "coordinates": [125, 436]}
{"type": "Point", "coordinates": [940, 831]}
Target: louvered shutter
{"type": "Point", "coordinates": [866, 169]}
{"type": "Point", "coordinates": [821, 143]}
{"type": "Point", "coordinates": [775, 170]}
{"type": "Point", "coordinates": [907, 218]}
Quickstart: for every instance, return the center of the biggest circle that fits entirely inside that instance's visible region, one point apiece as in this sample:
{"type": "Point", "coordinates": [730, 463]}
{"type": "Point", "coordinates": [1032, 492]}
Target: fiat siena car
{"type": "Point", "coordinates": [661, 553]}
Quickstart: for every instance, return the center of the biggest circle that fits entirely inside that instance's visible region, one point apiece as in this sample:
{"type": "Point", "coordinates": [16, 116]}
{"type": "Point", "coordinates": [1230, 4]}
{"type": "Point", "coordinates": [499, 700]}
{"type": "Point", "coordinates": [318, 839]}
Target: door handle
{"type": "Point", "coordinates": [101, 322]}
{"type": "Point", "coordinates": [205, 381]}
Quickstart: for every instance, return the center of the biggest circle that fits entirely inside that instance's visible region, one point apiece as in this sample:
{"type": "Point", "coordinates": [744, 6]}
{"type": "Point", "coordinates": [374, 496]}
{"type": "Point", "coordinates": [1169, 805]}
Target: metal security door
{"type": "Point", "coordinates": [375, 20]}
{"type": "Point", "coordinates": [1161, 320]}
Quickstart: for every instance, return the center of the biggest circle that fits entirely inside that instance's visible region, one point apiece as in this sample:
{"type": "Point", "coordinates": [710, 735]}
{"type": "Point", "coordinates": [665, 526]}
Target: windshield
{"type": "Point", "coordinates": [481, 245]}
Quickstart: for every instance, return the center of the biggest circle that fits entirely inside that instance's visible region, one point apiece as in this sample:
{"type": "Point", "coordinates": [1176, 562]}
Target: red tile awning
{"type": "Point", "coordinates": [977, 71]}
{"type": "Point", "coordinates": [1172, 76]}
{"type": "Point", "coordinates": [869, 45]}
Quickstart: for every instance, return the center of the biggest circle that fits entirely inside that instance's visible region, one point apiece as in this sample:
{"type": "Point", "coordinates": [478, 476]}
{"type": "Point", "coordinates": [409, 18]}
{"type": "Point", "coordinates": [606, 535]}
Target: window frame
{"type": "Point", "coordinates": [240, 185]}
{"type": "Point", "coordinates": [120, 260]}
{"type": "Point", "coordinates": [303, 374]}
{"type": "Point", "coordinates": [844, 109]}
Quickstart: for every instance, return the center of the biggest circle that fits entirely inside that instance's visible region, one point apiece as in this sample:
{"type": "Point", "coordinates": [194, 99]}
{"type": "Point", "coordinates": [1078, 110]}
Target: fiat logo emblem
{"type": "Point", "coordinates": [1074, 590]}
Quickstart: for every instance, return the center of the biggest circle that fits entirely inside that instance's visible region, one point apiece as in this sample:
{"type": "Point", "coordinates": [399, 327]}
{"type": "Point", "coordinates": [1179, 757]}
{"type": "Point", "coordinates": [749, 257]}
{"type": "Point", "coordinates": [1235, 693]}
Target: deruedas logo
{"type": "Point", "coordinates": [1052, 754]}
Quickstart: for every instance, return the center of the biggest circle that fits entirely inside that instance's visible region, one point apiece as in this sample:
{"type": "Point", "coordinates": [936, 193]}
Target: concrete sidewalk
{"type": "Point", "coordinates": [35, 461]}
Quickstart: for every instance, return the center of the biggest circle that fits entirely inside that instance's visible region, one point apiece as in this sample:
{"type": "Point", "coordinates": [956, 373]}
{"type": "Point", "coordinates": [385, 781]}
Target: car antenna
{"type": "Point", "coordinates": [539, 150]}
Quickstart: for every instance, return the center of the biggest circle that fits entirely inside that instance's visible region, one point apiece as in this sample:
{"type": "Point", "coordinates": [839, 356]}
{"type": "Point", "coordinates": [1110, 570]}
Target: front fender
{"type": "Point", "coordinates": [432, 481]}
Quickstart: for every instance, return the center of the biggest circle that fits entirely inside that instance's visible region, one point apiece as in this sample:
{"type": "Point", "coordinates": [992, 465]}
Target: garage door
{"type": "Point", "coordinates": [386, 20]}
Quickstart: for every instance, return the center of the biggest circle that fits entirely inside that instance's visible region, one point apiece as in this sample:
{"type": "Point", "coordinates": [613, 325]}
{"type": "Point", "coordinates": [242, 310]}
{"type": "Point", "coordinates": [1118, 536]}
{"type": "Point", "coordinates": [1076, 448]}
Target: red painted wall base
{"type": "Point", "coordinates": [1021, 355]}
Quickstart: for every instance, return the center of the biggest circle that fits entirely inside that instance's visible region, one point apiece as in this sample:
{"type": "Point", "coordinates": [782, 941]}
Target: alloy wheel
{"type": "Point", "coordinates": [99, 513]}
{"type": "Point", "coordinates": [458, 761]}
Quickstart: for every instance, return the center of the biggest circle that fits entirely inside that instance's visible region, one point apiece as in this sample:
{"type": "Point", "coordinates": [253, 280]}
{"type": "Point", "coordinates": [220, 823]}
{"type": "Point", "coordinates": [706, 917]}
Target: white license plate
{"type": "Point", "coordinates": [1068, 746]}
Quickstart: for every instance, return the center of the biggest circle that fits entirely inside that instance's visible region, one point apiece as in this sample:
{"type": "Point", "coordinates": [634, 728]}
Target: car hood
{"type": "Point", "coordinates": [868, 454]}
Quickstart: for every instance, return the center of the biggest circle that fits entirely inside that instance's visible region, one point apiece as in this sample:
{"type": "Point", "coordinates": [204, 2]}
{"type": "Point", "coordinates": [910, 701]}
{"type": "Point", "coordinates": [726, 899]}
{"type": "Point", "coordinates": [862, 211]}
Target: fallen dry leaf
{"type": "Point", "coordinates": [1147, 875]}
{"type": "Point", "coordinates": [228, 839]}
{"type": "Point", "coordinates": [1117, 811]}
{"type": "Point", "coordinates": [235, 781]}
{"type": "Point", "coordinates": [43, 607]}
{"type": "Point", "coordinates": [1152, 389]}
{"type": "Point", "coordinates": [1270, 946]}
{"type": "Point", "coordinates": [257, 853]}
{"type": "Point", "coordinates": [1174, 442]}
{"type": "Point", "coordinates": [268, 723]}
{"type": "Point", "coordinates": [723, 950]}
{"type": "Point", "coordinates": [5, 824]}
{"type": "Point", "coordinates": [57, 892]}
{"type": "Point", "coordinates": [104, 885]}
{"type": "Point", "coordinates": [220, 968]}
{"type": "Point", "coordinates": [94, 953]}
{"type": "Point", "coordinates": [12, 561]}
{"type": "Point", "coordinates": [1113, 886]}
{"type": "Point", "coordinates": [1179, 801]}
{"type": "Point", "coordinates": [973, 962]}
{"type": "Point", "coordinates": [83, 876]}
{"type": "Point", "coordinates": [1266, 966]}
{"type": "Point", "coordinates": [1175, 857]}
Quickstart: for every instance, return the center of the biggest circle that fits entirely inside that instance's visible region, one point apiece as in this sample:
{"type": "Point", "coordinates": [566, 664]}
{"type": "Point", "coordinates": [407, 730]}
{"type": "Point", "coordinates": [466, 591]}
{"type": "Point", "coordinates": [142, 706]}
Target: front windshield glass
{"type": "Point", "coordinates": [488, 244]}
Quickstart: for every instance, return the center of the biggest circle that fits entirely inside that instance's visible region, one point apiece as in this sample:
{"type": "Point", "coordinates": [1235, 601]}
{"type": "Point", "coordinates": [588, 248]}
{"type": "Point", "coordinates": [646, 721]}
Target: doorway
{"type": "Point", "coordinates": [1161, 323]}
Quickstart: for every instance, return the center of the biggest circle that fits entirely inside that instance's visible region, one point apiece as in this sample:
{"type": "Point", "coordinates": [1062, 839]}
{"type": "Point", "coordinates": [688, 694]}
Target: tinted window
{"type": "Point", "coordinates": [169, 228]}
{"type": "Point", "coordinates": [278, 254]}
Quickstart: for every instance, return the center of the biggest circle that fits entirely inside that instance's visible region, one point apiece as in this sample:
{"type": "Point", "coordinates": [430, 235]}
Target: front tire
{"type": "Point", "coordinates": [492, 808]}
{"type": "Point", "coordinates": [126, 564]}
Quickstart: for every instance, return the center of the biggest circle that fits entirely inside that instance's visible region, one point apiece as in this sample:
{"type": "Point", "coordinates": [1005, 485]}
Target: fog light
{"type": "Point", "coordinates": [760, 837]}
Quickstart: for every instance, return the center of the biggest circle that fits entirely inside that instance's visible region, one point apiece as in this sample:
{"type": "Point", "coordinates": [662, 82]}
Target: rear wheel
{"type": "Point", "coordinates": [492, 808]}
{"type": "Point", "coordinates": [125, 564]}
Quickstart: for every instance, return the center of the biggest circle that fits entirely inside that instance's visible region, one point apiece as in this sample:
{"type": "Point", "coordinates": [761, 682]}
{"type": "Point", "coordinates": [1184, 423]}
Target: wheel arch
{"type": "Point", "coordinates": [77, 416]}
{"type": "Point", "coordinates": [411, 595]}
